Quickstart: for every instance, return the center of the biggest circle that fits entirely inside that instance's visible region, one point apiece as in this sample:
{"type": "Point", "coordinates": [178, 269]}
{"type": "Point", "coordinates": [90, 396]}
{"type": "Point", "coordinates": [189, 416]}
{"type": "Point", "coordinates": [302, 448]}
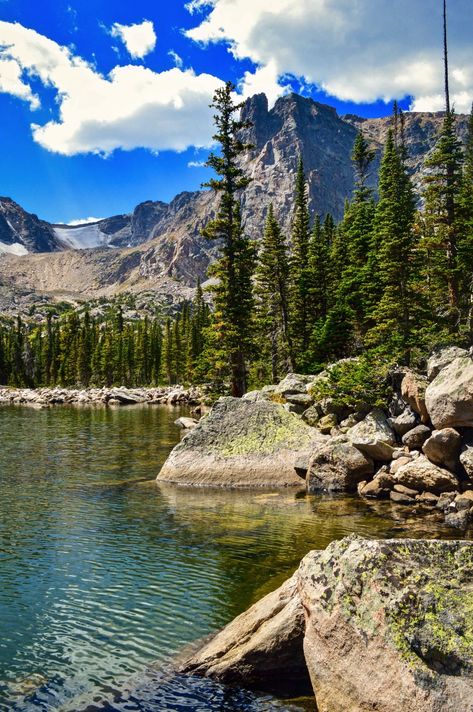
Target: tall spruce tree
{"type": "Point", "coordinates": [230, 342]}
{"type": "Point", "coordinates": [272, 303]}
{"type": "Point", "coordinates": [392, 245]}
{"type": "Point", "coordinates": [300, 273]}
{"type": "Point", "coordinates": [466, 231]}
{"type": "Point", "coordinates": [355, 289]}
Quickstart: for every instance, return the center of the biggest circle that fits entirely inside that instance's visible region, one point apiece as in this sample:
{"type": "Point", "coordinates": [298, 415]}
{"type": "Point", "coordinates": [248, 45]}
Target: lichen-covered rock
{"type": "Point", "coordinates": [466, 455]}
{"type": "Point", "coordinates": [312, 415]}
{"type": "Point", "coordinates": [241, 444]}
{"type": "Point", "coordinates": [449, 398]}
{"type": "Point", "coordinates": [327, 423]}
{"type": "Point", "coordinates": [415, 438]}
{"type": "Point", "coordinates": [413, 388]}
{"type": "Point", "coordinates": [382, 625]}
{"type": "Point", "coordinates": [443, 448]}
{"type": "Point", "coordinates": [389, 625]}
{"type": "Point", "coordinates": [374, 436]}
{"type": "Point", "coordinates": [441, 358]}
{"type": "Point", "coordinates": [337, 467]}
{"type": "Point", "coordinates": [261, 649]}
{"type": "Point", "coordinates": [422, 475]}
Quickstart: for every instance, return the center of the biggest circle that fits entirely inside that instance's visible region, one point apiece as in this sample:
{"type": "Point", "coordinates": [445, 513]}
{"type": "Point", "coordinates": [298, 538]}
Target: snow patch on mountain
{"type": "Point", "coordinates": [81, 237]}
{"type": "Point", "coordinates": [15, 249]}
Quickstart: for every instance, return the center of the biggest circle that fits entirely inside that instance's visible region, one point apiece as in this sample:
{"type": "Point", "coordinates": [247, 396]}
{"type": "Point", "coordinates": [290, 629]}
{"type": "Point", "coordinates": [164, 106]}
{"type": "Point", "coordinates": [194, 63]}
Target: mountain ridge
{"type": "Point", "coordinates": [159, 241]}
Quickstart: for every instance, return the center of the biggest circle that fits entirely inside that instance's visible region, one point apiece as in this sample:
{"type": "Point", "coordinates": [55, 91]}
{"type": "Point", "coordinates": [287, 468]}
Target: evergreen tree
{"type": "Point", "coordinates": [391, 263]}
{"type": "Point", "coordinates": [355, 288]}
{"type": "Point", "coordinates": [230, 341]}
{"type": "Point", "coordinates": [300, 272]}
{"type": "Point", "coordinates": [271, 302]}
{"type": "Point", "coordinates": [442, 223]}
{"type": "Point", "coordinates": [465, 256]}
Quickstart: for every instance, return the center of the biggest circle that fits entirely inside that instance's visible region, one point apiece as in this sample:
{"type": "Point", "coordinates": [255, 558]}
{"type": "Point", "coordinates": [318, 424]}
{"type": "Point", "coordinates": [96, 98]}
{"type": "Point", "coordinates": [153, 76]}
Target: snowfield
{"type": "Point", "coordinates": [82, 237]}
{"type": "Point", "coordinates": [15, 249]}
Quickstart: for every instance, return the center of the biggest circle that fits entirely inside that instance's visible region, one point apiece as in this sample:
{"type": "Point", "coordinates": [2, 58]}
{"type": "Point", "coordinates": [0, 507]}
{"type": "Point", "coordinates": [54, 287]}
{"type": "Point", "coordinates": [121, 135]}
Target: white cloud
{"type": "Point", "coordinates": [139, 39]}
{"type": "Point", "coordinates": [84, 221]}
{"type": "Point", "coordinates": [129, 108]}
{"type": "Point", "coordinates": [357, 51]}
{"type": "Point", "coordinates": [196, 164]}
{"type": "Point", "coordinates": [11, 82]}
{"type": "Point", "coordinates": [178, 61]}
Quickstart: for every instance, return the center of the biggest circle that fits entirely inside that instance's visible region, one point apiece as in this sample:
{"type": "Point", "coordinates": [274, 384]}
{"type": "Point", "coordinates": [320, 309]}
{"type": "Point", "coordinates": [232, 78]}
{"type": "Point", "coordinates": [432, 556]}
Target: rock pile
{"type": "Point", "coordinates": [415, 451]}
{"type": "Point", "coordinates": [45, 397]}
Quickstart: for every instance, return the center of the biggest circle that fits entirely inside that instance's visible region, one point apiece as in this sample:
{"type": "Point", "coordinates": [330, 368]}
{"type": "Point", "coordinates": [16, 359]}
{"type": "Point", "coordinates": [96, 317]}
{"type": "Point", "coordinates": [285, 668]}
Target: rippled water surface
{"type": "Point", "coordinates": [105, 575]}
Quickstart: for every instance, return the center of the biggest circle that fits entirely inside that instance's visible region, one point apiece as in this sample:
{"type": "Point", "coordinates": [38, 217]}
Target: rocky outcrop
{"type": "Point", "coordinates": [261, 649]}
{"type": "Point", "coordinates": [441, 358]}
{"type": "Point", "coordinates": [337, 467]}
{"type": "Point", "coordinates": [443, 448]}
{"type": "Point", "coordinates": [449, 398]}
{"type": "Point", "coordinates": [379, 625]}
{"type": "Point", "coordinates": [242, 444]}
{"type": "Point", "coordinates": [413, 389]}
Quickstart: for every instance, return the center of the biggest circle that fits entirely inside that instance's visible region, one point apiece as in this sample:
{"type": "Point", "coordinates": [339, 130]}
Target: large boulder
{"type": "Point", "coordinates": [449, 398]}
{"type": "Point", "coordinates": [292, 384]}
{"type": "Point", "coordinates": [466, 455]}
{"type": "Point", "coordinates": [443, 448]}
{"type": "Point", "coordinates": [337, 466]}
{"type": "Point", "coordinates": [378, 625]}
{"type": "Point", "coordinates": [374, 436]}
{"type": "Point", "coordinates": [422, 475]}
{"type": "Point", "coordinates": [389, 625]}
{"type": "Point", "coordinates": [242, 444]}
{"type": "Point", "coordinates": [441, 358]}
{"type": "Point", "coordinates": [413, 388]}
{"type": "Point", "coordinates": [261, 649]}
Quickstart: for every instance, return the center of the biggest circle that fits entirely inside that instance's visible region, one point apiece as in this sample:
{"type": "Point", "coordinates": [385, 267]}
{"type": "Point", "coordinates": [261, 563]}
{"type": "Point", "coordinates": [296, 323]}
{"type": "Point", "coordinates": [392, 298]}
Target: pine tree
{"type": "Point", "coordinates": [465, 250]}
{"type": "Point", "coordinates": [230, 342]}
{"type": "Point", "coordinates": [355, 287]}
{"type": "Point", "coordinates": [300, 272]}
{"type": "Point", "coordinates": [271, 302]}
{"type": "Point", "coordinates": [442, 236]}
{"type": "Point", "coordinates": [391, 263]}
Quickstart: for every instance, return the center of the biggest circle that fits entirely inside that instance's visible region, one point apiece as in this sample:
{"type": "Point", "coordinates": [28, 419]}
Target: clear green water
{"type": "Point", "coordinates": [105, 575]}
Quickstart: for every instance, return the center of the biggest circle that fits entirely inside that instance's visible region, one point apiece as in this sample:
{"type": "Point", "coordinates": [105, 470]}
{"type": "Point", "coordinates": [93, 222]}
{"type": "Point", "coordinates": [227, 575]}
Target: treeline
{"type": "Point", "coordinates": [77, 350]}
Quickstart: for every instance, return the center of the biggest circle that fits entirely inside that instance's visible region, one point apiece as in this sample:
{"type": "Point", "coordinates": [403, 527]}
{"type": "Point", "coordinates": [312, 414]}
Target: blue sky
{"type": "Point", "coordinates": [97, 117]}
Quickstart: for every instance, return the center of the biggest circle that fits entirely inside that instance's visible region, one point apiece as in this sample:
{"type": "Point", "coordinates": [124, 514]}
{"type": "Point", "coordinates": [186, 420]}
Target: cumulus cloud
{"type": "Point", "coordinates": [357, 51]}
{"type": "Point", "coordinates": [139, 39]}
{"type": "Point", "coordinates": [130, 107]}
{"type": "Point", "coordinates": [84, 221]}
{"type": "Point", "coordinates": [196, 164]}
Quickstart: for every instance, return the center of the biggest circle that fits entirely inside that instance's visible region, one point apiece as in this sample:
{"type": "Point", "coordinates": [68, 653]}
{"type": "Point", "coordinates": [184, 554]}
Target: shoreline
{"type": "Point", "coordinates": [104, 397]}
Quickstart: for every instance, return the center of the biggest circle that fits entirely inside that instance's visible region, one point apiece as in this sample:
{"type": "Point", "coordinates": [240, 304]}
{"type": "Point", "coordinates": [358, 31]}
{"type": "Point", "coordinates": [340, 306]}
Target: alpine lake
{"type": "Point", "coordinates": [106, 576]}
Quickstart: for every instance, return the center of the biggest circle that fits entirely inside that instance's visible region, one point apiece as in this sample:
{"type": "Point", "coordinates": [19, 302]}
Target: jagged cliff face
{"type": "Point", "coordinates": [161, 241]}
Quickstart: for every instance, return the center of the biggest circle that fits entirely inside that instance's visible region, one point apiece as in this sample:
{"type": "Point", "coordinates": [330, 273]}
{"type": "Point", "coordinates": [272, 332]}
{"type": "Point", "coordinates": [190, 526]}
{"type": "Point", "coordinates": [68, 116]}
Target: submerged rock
{"type": "Point", "coordinates": [242, 444]}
